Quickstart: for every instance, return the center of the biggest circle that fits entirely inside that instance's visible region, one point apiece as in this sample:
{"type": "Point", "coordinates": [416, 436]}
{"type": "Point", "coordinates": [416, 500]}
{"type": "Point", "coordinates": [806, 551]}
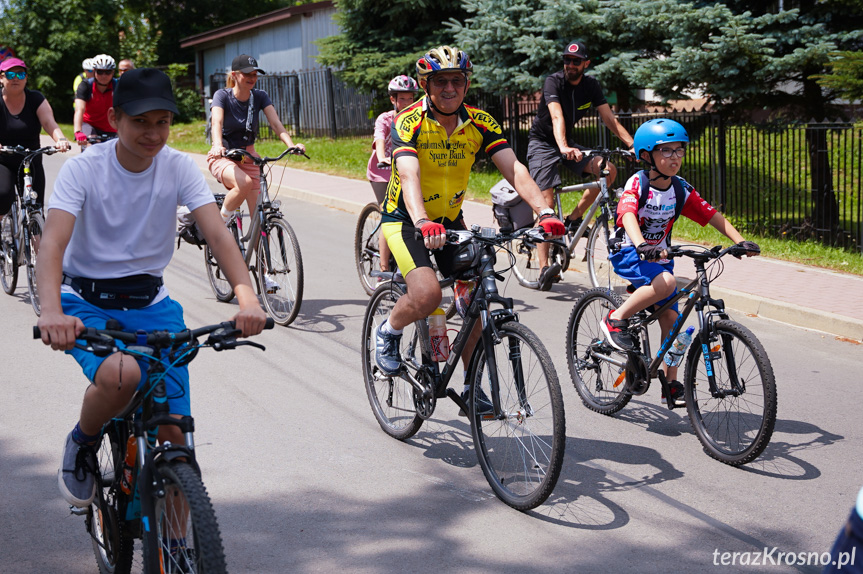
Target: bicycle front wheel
{"type": "Point", "coordinates": [113, 546]}
{"type": "Point", "coordinates": [187, 533]}
{"type": "Point", "coordinates": [8, 255]}
{"type": "Point", "coordinates": [526, 266]}
{"type": "Point", "coordinates": [393, 399]}
{"type": "Point", "coordinates": [598, 265]}
{"type": "Point", "coordinates": [521, 451]}
{"type": "Point", "coordinates": [600, 384]}
{"type": "Point", "coordinates": [218, 281]}
{"type": "Point", "coordinates": [34, 236]}
{"type": "Point", "coordinates": [734, 428]}
{"type": "Point", "coordinates": [366, 246]}
{"type": "Point", "coordinates": [280, 271]}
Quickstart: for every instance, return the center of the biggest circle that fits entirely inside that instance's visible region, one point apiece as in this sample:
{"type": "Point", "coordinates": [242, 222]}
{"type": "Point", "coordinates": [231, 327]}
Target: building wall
{"type": "Point", "coordinates": [282, 47]}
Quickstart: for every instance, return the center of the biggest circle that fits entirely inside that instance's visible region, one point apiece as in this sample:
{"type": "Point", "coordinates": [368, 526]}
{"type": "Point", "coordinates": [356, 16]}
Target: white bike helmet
{"type": "Point", "coordinates": [103, 62]}
{"type": "Point", "coordinates": [87, 64]}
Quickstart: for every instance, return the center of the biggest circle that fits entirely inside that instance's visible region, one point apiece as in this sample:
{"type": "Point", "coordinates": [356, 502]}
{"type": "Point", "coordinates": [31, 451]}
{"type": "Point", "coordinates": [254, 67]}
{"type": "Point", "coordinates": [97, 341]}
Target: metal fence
{"type": "Point", "coordinates": [796, 180]}
{"type": "Point", "coordinates": [312, 102]}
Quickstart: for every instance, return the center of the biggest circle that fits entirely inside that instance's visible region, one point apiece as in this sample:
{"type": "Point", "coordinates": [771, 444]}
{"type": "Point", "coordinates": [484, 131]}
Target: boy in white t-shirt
{"type": "Point", "coordinates": [108, 237]}
{"type": "Point", "coordinates": [648, 220]}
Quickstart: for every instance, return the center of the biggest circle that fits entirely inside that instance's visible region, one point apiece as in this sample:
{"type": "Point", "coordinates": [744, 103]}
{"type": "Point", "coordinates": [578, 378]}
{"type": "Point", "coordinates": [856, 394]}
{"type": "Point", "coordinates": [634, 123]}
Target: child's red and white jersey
{"type": "Point", "coordinates": [656, 217]}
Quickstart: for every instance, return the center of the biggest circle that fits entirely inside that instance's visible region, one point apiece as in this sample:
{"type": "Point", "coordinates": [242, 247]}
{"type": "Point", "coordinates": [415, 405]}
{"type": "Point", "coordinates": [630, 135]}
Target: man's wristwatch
{"type": "Point", "coordinates": [546, 211]}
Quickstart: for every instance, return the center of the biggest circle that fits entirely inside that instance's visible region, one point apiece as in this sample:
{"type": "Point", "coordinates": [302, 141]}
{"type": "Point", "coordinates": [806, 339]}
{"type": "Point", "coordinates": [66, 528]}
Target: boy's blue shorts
{"type": "Point", "coordinates": [166, 315]}
{"type": "Point", "coordinates": [628, 266]}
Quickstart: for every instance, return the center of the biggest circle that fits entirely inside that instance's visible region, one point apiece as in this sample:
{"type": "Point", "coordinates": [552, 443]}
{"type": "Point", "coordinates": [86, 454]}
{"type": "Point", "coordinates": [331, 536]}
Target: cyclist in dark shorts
{"type": "Point", "coordinates": [567, 96]}
{"type": "Point", "coordinates": [435, 142]}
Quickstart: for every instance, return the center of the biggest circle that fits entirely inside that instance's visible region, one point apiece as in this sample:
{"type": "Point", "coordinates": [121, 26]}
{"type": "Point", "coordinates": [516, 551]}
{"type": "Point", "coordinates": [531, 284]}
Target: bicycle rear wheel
{"type": "Point", "coordinates": [598, 266]}
{"type": "Point", "coordinates": [8, 254]}
{"type": "Point", "coordinates": [187, 532]}
{"type": "Point", "coordinates": [281, 279]}
{"type": "Point", "coordinates": [393, 399]}
{"type": "Point", "coordinates": [366, 246]}
{"type": "Point", "coordinates": [600, 384]}
{"type": "Point", "coordinates": [34, 235]}
{"type": "Point", "coordinates": [521, 453]}
{"type": "Point", "coordinates": [732, 429]}
{"type": "Point", "coordinates": [113, 546]}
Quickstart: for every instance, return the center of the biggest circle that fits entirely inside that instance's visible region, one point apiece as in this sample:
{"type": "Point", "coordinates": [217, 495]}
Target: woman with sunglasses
{"type": "Point", "coordinates": [234, 113]}
{"type": "Point", "coordinates": [23, 115]}
{"type": "Point", "coordinates": [93, 99]}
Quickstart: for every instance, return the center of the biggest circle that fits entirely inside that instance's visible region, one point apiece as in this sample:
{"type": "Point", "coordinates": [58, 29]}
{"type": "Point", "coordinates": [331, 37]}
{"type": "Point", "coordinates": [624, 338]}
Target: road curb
{"type": "Point", "coordinates": [748, 303]}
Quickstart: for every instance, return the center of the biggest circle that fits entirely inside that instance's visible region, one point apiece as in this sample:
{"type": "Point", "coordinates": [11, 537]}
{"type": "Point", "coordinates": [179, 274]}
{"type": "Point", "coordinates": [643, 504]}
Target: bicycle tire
{"type": "Point", "coordinates": [282, 303]}
{"type": "Point", "coordinates": [218, 282]}
{"type": "Point", "coordinates": [366, 251]}
{"type": "Point", "coordinates": [34, 233]}
{"type": "Point", "coordinates": [733, 430]}
{"type": "Point", "coordinates": [113, 546]}
{"type": "Point", "coordinates": [190, 518]}
{"type": "Point", "coordinates": [598, 383]}
{"type": "Point", "coordinates": [521, 454]}
{"type": "Point", "coordinates": [8, 255]}
{"type": "Point", "coordinates": [599, 267]}
{"type": "Point", "coordinates": [526, 267]}
{"type": "Point", "coordinates": [392, 398]}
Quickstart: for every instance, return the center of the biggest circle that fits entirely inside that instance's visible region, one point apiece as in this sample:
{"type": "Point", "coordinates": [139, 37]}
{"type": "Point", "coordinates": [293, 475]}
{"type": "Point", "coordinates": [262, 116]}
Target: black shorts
{"type": "Point", "coordinates": [411, 252]}
{"type": "Point", "coordinates": [543, 161]}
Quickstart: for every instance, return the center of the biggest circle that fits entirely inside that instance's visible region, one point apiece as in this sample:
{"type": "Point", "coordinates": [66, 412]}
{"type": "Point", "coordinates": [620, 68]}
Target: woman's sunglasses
{"type": "Point", "coordinates": [10, 75]}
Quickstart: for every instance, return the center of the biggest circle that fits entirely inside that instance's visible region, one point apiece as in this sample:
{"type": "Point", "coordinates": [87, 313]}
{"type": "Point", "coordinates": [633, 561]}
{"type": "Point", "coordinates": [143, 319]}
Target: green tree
{"type": "Point", "coordinates": [138, 39]}
{"type": "Point", "coordinates": [380, 40]}
{"type": "Point", "coordinates": [741, 55]}
{"type": "Point", "coordinates": [846, 75]}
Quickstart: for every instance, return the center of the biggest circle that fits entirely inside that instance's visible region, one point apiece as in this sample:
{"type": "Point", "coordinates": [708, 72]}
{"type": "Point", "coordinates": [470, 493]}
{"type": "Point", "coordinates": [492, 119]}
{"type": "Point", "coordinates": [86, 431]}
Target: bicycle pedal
{"type": "Point", "coordinates": [78, 511]}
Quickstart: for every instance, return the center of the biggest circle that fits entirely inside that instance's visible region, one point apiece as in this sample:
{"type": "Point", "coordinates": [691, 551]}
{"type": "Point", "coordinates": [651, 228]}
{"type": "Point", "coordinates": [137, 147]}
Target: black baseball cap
{"type": "Point", "coordinates": [245, 64]}
{"type": "Point", "coordinates": [576, 50]}
{"type": "Point", "coordinates": [143, 90]}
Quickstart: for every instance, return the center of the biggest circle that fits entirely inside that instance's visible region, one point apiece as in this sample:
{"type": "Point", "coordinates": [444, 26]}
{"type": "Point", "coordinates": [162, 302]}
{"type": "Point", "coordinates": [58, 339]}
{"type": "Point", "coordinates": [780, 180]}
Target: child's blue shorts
{"type": "Point", "coordinates": [166, 315]}
{"type": "Point", "coordinates": [628, 266]}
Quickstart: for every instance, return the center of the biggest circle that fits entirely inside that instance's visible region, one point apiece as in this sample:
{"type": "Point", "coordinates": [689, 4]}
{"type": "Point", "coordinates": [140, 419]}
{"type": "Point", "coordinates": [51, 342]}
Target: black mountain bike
{"type": "Point", "coordinates": [519, 441]}
{"type": "Point", "coordinates": [278, 267]}
{"type": "Point", "coordinates": [161, 500]}
{"type": "Point", "coordinates": [729, 386]}
{"type": "Point", "coordinates": [21, 229]}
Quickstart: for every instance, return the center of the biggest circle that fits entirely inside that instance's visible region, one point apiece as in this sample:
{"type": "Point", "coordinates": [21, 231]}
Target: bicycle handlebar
{"type": "Point", "coordinates": [705, 253]}
{"type": "Point", "coordinates": [19, 149]}
{"type": "Point", "coordinates": [99, 138]}
{"type": "Point", "coordinates": [218, 333]}
{"type": "Point", "coordinates": [237, 154]}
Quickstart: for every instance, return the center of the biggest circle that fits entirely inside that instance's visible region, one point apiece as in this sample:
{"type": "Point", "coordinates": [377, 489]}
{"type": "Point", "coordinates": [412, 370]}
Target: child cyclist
{"type": "Point", "coordinates": [402, 91]}
{"type": "Point", "coordinates": [108, 237]}
{"type": "Point", "coordinates": [651, 201]}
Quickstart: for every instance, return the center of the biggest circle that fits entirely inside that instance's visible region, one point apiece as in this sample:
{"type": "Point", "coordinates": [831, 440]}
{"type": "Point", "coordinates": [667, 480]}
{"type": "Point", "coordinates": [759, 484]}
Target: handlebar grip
{"type": "Point", "coordinates": [37, 334]}
{"type": "Point", "coordinates": [270, 323]}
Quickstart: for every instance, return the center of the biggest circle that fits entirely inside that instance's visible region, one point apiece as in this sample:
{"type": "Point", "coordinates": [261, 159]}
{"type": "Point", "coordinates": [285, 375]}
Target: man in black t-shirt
{"type": "Point", "coordinates": [567, 96]}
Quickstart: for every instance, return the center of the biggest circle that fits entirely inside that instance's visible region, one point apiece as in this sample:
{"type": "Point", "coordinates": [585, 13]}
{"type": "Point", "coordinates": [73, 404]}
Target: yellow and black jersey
{"type": "Point", "coordinates": [445, 162]}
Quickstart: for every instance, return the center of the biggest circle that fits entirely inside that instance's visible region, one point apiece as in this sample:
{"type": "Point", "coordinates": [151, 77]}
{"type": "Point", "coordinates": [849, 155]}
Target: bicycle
{"type": "Point", "coordinates": [729, 385]}
{"type": "Point", "coordinates": [600, 241]}
{"type": "Point", "coordinates": [161, 499]}
{"type": "Point", "coordinates": [520, 441]}
{"type": "Point", "coordinates": [278, 268]}
{"type": "Point", "coordinates": [21, 229]}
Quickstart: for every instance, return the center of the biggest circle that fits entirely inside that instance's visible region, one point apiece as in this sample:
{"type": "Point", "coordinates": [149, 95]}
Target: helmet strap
{"type": "Point", "coordinates": [438, 111]}
{"type": "Point", "coordinates": [653, 167]}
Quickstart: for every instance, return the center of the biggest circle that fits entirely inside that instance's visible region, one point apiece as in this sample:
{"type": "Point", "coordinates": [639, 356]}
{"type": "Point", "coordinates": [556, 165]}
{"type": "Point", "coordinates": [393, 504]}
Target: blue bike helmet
{"type": "Point", "coordinates": [659, 131]}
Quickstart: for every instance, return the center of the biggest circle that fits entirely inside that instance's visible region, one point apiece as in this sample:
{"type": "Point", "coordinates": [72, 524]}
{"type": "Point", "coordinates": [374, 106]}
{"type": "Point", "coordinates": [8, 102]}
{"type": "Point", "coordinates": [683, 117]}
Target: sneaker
{"type": "Point", "coordinates": [387, 355]}
{"type": "Point", "coordinates": [483, 406]}
{"type": "Point", "coordinates": [547, 275]}
{"type": "Point", "coordinates": [270, 283]}
{"type": "Point", "coordinates": [76, 474]}
{"type": "Point", "coordinates": [676, 393]}
{"type": "Point", "coordinates": [617, 333]}
{"type": "Point", "coordinates": [573, 224]}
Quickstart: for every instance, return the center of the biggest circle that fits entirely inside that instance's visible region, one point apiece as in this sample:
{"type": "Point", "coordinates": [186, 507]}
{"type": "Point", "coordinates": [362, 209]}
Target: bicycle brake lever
{"type": "Point", "coordinates": [229, 344]}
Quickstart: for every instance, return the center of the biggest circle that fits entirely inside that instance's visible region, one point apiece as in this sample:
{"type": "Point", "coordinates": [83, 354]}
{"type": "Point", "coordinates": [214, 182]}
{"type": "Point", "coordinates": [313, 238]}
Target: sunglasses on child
{"type": "Point", "coordinates": [104, 72]}
{"type": "Point", "coordinates": [10, 75]}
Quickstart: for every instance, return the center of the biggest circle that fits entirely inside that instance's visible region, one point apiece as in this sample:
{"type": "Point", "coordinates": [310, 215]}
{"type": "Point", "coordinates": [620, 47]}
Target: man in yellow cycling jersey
{"type": "Point", "coordinates": [435, 142]}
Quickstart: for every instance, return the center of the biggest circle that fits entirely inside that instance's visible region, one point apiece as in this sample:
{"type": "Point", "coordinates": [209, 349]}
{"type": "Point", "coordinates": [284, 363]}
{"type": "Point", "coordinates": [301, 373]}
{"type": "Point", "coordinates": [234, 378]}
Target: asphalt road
{"type": "Point", "coordinates": [303, 479]}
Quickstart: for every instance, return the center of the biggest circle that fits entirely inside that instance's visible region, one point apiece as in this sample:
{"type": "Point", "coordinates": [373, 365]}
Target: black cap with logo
{"type": "Point", "coordinates": [576, 50]}
{"type": "Point", "coordinates": [143, 90]}
{"type": "Point", "coordinates": [245, 64]}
